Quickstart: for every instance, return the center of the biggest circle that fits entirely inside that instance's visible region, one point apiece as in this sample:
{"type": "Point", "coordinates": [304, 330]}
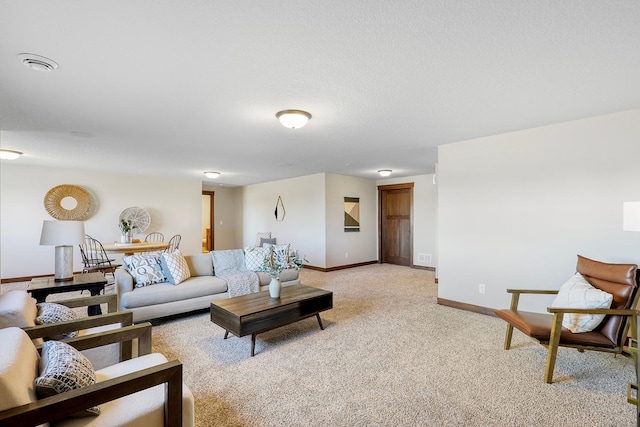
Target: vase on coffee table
{"type": "Point", "coordinates": [274, 287]}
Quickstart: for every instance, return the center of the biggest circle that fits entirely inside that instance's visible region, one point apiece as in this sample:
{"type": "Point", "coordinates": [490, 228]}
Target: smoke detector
{"type": "Point", "coordinates": [37, 62]}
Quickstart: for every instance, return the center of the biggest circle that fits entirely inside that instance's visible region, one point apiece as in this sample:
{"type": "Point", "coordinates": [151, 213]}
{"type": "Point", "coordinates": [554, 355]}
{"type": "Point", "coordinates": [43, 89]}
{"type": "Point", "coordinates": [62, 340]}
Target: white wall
{"type": "Point", "coordinates": [425, 201]}
{"type": "Point", "coordinates": [515, 209]}
{"type": "Point", "coordinates": [359, 246]}
{"type": "Point", "coordinates": [304, 222]}
{"type": "Point", "coordinates": [174, 206]}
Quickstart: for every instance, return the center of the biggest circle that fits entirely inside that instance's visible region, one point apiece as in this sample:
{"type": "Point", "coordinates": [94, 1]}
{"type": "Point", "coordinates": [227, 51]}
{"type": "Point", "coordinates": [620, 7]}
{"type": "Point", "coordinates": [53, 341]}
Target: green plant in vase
{"type": "Point", "coordinates": [126, 228]}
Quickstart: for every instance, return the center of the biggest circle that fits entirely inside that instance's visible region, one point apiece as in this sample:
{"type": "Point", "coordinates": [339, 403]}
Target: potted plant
{"type": "Point", "coordinates": [273, 265]}
{"type": "Point", "coordinates": [126, 228]}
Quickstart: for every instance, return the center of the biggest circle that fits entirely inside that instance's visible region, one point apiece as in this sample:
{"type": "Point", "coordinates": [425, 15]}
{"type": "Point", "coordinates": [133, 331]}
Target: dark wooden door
{"type": "Point", "coordinates": [396, 203]}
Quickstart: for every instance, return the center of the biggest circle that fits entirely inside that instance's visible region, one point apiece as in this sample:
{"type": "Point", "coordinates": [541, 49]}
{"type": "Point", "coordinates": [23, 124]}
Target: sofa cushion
{"type": "Point", "coordinates": [145, 268]}
{"type": "Point", "coordinates": [578, 293]}
{"type": "Point", "coordinates": [18, 368]}
{"type": "Point", "coordinates": [161, 293]}
{"type": "Point", "coordinates": [254, 257]}
{"type": "Point", "coordinates": [17, 308]}
{"type": "Point", "coordinates": [62, 369]}
{"type": "Point", "coordinates": [200, 264]}
{"type": "Point", "coordinates": [49, 312]}
{"type": "Point", "coordinates": [175, 267]}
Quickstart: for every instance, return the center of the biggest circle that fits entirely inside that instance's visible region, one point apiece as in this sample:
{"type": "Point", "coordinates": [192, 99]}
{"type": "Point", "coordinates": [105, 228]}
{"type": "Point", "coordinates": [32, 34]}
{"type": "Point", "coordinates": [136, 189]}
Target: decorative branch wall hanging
{"type": "Point", "coordinates": [279, 212]}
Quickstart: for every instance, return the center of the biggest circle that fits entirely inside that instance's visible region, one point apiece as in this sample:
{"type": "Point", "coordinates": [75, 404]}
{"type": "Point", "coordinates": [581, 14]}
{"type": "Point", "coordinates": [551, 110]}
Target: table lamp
{"type": "Point", "coordinates": [63, 235]}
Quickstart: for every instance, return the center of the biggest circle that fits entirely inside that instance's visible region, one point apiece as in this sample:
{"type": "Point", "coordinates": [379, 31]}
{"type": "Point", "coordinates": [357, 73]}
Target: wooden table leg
{"type": "Point", "coordinates": [95, 310]}
{"type": "Point", "coordinates": [319, 321]}
{"type": "Point", "coordinates": [226, 334]}
{"type": "Point", "coordinates": [253, 345]}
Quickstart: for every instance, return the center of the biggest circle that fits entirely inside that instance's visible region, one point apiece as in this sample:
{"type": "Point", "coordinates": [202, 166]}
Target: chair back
{"type": "Point", "coordinates": [174, 243]}
{"type": "Point", "coordinates": [156, 236]}
{"type": "Point", "coordinates": [621, 281]}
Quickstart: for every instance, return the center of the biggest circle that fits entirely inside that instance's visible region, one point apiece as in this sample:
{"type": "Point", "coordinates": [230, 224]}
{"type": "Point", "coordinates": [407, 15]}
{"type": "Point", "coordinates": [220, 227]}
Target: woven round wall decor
{"type": "Point", "coordinates": [55, 196]}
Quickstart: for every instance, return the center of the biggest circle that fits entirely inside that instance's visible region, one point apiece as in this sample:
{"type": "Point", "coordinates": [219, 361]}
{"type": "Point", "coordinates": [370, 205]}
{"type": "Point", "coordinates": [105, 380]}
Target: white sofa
{"type": "Point", "coordinates": [195, 293]}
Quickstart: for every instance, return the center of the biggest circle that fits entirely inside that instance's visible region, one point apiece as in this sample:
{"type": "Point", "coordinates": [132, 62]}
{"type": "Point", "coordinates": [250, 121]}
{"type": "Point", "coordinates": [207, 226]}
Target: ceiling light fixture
{"type": "Point", "coordinates": [212, 174]}
{"type": "Point", "coordinates": [37, 62]}
{"type": "Point", "coordinates": [384, 172]}
{"type": "Point", "coordinates": [293, 119]}
{"type": "Point", "coordinates": [9, 154]}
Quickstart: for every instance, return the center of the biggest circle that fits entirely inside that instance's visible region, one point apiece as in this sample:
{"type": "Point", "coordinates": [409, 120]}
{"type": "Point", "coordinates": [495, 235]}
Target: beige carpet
{"type": "Point", "coordinates": [390, 356]}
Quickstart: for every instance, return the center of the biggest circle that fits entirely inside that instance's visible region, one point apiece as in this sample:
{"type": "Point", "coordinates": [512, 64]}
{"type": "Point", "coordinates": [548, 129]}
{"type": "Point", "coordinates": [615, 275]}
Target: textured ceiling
{"type": "Point", "coordinates": [176, 88]}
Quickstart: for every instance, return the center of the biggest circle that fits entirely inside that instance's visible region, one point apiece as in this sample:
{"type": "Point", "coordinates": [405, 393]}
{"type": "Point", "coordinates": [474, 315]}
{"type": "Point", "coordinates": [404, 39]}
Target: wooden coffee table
{"type": "Point", "coordinates": [258, 312]}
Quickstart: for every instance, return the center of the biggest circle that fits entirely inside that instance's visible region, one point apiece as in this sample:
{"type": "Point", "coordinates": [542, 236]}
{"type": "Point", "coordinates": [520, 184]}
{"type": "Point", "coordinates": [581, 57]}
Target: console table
{"type": "Point", "coordinates": [41, 288]}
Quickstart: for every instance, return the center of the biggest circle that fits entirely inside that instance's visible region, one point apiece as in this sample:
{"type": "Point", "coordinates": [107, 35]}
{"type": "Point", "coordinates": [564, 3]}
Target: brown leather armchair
{"type": "Point", "coordinates": [620, 280]}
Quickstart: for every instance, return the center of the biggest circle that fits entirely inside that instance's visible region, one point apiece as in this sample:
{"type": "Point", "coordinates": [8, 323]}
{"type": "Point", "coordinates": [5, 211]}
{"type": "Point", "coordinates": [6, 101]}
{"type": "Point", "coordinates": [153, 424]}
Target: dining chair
{"type": "Point", "coordinates": [174, 243]}
{"type": "Point", "coordinates": [95, 258]}
{"type": "Point", "coordinates": [156, 236]}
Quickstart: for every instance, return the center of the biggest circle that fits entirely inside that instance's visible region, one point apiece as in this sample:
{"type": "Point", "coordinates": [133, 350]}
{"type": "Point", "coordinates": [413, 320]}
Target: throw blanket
{"type": "Point", "coordinates": [229, 265]}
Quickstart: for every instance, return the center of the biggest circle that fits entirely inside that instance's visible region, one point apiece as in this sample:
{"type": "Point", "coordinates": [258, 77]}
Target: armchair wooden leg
{"type": "Point", "coordinates": [554, 340]}
{"type": "Point", "coordinates": [507, 338]}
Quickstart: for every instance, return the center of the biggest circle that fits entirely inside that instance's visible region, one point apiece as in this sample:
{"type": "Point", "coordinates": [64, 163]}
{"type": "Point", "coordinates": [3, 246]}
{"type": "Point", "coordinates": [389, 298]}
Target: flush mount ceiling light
{"type": "Point", "coordinates": [212, 174]}
{"type": "Point", "coordinates": [9, 154]}
{"type": "Point", "coordinates": [384, 172]}
{"type": "Point", "coordinates": [37, 62]}
{"type": "Point", "coordinates": [293, 119]}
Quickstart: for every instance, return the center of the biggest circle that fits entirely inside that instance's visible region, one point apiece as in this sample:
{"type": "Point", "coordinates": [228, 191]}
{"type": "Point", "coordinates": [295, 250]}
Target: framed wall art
{"type": "Point", "coordinates": [351, 214]}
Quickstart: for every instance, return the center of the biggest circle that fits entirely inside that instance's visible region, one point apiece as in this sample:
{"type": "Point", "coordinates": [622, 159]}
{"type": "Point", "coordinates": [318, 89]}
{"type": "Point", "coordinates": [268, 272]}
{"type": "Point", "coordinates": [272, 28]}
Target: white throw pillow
{"type": "Point", "coordinates": [175, 267]}
{"type": "Point", "coordinates": [254, 257]}
{"type": "Point", "coordinates": [578, 293]}
{"type": "Point", "coordinates": [262, 235]}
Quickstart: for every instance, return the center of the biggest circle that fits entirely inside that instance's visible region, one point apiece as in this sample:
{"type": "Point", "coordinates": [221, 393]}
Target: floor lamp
{"type": "Point", "coordinates": [63, 235]}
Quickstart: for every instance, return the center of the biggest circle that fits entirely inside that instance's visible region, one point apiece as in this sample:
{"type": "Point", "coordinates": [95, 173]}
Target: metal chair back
{"type": "Point", "coordinates": [174, 243]}
{"type": "Point", "coordinates": [95, 258]}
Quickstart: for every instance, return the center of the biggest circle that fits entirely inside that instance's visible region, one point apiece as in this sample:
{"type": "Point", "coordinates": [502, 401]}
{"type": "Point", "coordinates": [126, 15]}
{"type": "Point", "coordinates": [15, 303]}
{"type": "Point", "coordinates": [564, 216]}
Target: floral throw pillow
{"type": "Point", "coordinates": [280, 252]}
{"type": "Point", "coordinates": [175, 267]}
{"type": "Point", "coordinates": [146, 269]}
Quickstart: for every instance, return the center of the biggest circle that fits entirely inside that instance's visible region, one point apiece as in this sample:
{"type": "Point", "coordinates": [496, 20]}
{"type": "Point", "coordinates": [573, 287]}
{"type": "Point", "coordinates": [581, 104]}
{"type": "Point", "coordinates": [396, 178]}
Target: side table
{"type": "Point", "coordinates": [40, 288]}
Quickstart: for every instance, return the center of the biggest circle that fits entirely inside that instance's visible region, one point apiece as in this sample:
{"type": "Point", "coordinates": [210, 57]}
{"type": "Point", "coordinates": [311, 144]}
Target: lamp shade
{"type": "Point", "coordinates": [62, 233]}
{"type": "Point", "coordinates": [631, 216]}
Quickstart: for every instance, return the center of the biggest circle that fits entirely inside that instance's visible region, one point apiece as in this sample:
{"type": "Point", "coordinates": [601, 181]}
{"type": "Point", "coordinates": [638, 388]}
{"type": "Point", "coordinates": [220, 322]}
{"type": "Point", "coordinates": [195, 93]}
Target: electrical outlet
{"type": "Point", "coordinates": [481, 288]}
{"type": "Point", "coordinates": [346, 254]}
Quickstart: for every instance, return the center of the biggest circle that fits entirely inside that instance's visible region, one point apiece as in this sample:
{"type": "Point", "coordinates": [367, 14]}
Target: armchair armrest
{"type": "Point", "coordinates": [515, 295]}
{"type": "Point", "coordinates": [123, 281]}
{"type": "Point", "coordinates": [59, 406]}
{"type": "Point", "coordinates": [124, 335]}
{"type": "Point", "coordinates": [608, 311]}
{"type": "Point", "coordinates": [111, 300]}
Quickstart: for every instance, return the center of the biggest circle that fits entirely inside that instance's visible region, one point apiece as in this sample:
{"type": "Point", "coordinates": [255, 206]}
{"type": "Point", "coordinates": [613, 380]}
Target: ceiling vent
{"type": "Point", "coordinates": [37, 62]}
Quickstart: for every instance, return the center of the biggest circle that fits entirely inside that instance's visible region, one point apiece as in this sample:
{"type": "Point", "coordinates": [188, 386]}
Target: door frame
{"type": "Point", "coordinates": [211, 215]}
{"type": "Point", "coordinates": [381, 189]}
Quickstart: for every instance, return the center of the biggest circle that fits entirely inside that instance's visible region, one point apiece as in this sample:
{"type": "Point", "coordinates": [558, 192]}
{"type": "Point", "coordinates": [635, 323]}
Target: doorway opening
{"type": "Point", "coordinates": [207, 221]}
